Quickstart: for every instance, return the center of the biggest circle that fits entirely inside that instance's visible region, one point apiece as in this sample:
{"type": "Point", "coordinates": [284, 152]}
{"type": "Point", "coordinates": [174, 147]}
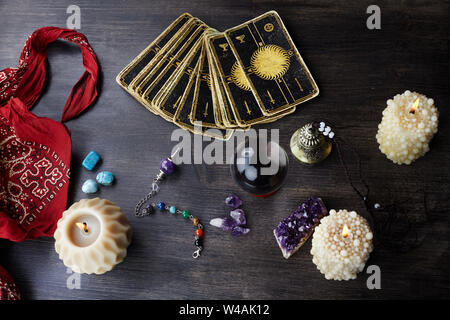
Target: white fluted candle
{"type": "Point", "coordinates": [92, 236]}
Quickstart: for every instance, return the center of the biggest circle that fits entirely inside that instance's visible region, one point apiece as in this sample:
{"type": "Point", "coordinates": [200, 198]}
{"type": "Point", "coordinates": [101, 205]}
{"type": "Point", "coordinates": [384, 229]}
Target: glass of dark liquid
{"type": "Point", "coordinates": [260, 167]}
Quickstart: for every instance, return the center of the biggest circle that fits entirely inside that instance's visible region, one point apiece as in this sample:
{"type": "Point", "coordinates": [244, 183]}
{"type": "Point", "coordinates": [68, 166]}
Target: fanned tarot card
{"type": "Point", "coordinates": [184, 108]}
{"type": "Point", "coordinates": [242, 102]}
{"type": "Point", "coordinates": [159, 45]}
{"type": "Point", "coordinates": [220, 100]}
{"type": "Point", "coordinates": [169, 99]}
{"type": "Point", "coordinates": [214, 83]}
{"type": "Point", "coordinates": [275, 71]}
{"type": "Point", "coordinates": [157, 79]}
{"type": "Point", "coordinates": [146, 77]}
{"type": "Point", "coordinates": [202, 104]}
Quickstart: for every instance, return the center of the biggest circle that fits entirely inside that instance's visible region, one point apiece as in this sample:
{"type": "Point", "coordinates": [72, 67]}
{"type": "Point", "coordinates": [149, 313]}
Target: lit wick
{"type": "Point", "coordinates": [415, 106]}
{"type": "Point", "coordinates": [345, 231]}
{"type": "Point", "coordinates": [83, 226]}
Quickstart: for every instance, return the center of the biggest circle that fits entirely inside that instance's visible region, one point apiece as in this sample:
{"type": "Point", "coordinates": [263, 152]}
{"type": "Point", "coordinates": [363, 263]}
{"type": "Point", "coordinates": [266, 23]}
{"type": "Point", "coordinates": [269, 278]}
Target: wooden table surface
{"type": "Point", "coordinates": [356, 69]}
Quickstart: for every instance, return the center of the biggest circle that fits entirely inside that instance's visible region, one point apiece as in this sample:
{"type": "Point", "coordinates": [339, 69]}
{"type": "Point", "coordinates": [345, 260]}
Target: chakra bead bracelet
{"type": "Point", "coordinates": [144, 208]}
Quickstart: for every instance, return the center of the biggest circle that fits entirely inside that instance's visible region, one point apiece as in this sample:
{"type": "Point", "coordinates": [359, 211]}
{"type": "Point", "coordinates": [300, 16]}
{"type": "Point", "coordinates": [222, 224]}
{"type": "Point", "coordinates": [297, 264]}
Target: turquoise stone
{"type": "Point", "coordinates": [173, 209]}
{"type": "Point", "coordinates": [91, 160]}
{"type": "Point", "coordinates": [105, 178]}
{"type": "Point", "coordinates": [90, 186]}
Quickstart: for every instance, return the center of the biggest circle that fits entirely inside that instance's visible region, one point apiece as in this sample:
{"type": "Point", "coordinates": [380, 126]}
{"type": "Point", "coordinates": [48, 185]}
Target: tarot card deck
{"type": "Point", "coordinates": [213, 83]}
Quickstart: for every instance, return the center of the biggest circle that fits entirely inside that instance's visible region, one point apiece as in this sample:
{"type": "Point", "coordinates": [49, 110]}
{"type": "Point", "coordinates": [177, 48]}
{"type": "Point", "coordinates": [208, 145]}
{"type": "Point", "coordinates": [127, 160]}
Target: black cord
{"type": "Point", "coordinates": [393, 228]}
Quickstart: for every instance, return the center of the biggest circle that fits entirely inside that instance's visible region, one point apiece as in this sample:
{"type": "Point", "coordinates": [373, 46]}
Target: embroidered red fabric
{"type": "Point", "coordinates": [35, 151]}
{"type": "Point", "coordinates": [8, 289]}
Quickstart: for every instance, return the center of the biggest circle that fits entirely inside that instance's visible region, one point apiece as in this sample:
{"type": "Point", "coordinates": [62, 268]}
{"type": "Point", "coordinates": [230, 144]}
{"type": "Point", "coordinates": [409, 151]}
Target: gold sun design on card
{"type": "Point", "coordinates": [238, 77]}
{"type": "Point", "coordinates": [270, 62]}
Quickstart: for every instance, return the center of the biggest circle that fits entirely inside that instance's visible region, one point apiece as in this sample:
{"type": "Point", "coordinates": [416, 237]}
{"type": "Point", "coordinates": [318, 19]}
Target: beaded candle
{"type": "Point", "coordinates": [409, 122]}
{"type": "Point", "coordinates": [341, 245]}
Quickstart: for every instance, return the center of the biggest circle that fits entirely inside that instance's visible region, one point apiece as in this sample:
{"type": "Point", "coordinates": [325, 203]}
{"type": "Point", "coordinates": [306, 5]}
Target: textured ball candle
{"type": "Point", "coordinates": [341, 245]}
{"type": "Point", "coordinates": [409, 122]}
{"type": "Point", "coordinates": [92, 236]}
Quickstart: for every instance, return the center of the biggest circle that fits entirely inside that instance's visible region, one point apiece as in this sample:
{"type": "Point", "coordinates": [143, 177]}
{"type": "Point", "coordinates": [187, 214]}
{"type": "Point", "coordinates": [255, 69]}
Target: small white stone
{"type": "Point", "coordinates": [216, 222]}
{"type": "Point", "coordinates": [331, 135]}
{"type": "Point", "coordinates": [251, 173]}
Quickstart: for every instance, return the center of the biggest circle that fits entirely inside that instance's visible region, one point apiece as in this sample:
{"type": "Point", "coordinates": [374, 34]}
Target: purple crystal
{"type": "Point", "coordinates": [239, 231]}
{"type": "Point", "coordinates": [147, 210]}
{"type": "Point", "coordinates": [233, 201]}
{"type": "Point", "coordinates": [292, 230]}
{"type": "Point", "coordinates": [234, 223]}
{"type": "Point", "coordinates": [167, 166]}
{"type": "Point", "coordinates": [239, 216]}
{"type": "Point", "coordinates": [228, 224]}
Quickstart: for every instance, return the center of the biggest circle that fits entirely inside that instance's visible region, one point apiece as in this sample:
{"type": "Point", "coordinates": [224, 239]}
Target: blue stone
{"type": "Point", "coordinates": [161, 205]}
{"type": "Point", "coordinates": [105, 178]}
{"type": "Point", "coordinates": [90, 186]}
{"type": "Point", "coordinates": [91, 160]}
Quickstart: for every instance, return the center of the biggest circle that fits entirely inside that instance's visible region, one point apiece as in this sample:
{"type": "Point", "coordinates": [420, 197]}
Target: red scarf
{"type": "Point", "coordinates": [35, 151]}
{"type": "Point", "coordinates": [8, 288]}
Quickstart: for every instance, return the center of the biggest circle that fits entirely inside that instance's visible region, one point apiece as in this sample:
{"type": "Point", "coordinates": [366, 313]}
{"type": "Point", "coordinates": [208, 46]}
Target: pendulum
{"type": "Point", "coordinates": [260, 169]}
{"type": "Point", "coordinates": [144, 208]}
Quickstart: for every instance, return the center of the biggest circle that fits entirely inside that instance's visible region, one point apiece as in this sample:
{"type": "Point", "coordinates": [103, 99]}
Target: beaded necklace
{"type": "Point", "coordinates": [145, 208]}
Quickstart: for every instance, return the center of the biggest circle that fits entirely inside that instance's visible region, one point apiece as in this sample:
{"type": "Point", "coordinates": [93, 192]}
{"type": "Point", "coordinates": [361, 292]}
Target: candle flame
{"type": "Point", "coordinates": [415, 105]}
{"type": "Point", "coordinates": [345, 231]}
{"type": "Point", "coordinates": [82, 226]}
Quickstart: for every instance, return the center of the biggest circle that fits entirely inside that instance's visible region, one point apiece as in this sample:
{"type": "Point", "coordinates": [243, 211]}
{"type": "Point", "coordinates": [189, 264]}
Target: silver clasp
{"type": "Point", "coordinates": [196, 253]}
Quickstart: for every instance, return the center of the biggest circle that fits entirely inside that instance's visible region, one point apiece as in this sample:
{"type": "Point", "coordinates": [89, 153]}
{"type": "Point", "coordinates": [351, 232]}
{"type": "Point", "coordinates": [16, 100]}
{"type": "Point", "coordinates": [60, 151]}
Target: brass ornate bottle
{"type": "Point", "coordinates": [309, 145]}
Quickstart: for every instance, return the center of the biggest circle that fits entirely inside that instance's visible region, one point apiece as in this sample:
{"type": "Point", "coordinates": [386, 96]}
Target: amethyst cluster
{"type": "Point", "coordinates": [295, 229]}
{"type": "Point", "coordinates": [236, 221]}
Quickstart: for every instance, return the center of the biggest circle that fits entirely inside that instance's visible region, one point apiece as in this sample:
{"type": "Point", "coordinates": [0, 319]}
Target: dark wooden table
{"type": "Point", "coordinates": [356, 69]}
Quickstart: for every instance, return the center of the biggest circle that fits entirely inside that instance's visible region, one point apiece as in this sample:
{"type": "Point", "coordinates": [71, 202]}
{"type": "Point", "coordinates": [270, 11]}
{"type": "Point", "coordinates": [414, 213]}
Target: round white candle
{"type": "Point", "coordinates": [341, 245]}
{"type": "Point", "coordinates": [92, 236]}
{"type": "Point", "coordinates": [406, 129]}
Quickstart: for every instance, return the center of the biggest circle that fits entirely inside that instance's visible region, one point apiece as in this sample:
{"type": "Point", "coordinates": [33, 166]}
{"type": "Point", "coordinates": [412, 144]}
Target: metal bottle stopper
{"type": "Point", "coordinates": [309, 145]}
